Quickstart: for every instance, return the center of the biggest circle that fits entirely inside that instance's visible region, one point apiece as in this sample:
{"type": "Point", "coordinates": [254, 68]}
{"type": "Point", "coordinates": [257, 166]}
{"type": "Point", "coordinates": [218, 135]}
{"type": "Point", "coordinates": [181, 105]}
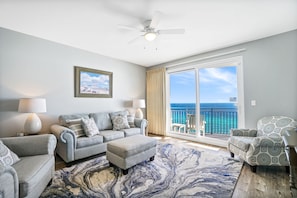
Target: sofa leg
{"type": "Point", "coordinates": [253, 169]}
{"type": "Point", "coordinates": [232, 154]}
{"type": "Point", "coordinates": [152, 158]}
{"type": "Point", "coordinates": [287, 169]}
{"type": "Point", "coordinates": [69, 164]}
{"type": "Point", "coordinates": [125, 171]}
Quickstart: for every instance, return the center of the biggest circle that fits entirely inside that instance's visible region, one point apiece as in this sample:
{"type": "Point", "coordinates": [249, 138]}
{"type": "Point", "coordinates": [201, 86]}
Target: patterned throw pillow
{"type": "Point", "coordinates": [130, 119]}
{"type": "Point", "coordinates": [120, 122]}
{"type": "Point", "coordinates": [7, 157]}
{"type": "Point", "coordinates": [75, 125]}
{"type": "Point", "coordinates": [90, 127]}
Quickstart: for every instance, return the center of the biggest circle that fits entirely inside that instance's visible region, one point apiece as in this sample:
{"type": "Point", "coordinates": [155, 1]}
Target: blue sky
{"type": "Point", "coordinates": [216, 85]}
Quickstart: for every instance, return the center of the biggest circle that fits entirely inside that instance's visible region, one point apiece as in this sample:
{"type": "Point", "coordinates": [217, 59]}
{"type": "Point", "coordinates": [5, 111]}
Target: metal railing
{"type": "Point", "coordinates": [216, 120]}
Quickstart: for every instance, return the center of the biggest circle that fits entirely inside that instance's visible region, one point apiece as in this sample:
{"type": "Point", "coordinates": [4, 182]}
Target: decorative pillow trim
{"type": "Point", "coordinates": [90, 127]}
{"type": "Point", "coordinates": [7, 157]}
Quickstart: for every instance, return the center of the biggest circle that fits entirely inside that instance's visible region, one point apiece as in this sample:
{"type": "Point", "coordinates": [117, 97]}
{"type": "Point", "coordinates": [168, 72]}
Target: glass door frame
{"type": "Point", "coordinates": [232, 61]}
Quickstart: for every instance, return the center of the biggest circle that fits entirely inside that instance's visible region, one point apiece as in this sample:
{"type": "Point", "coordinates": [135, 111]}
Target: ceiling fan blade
{"type": "Point", "coordinates": [155, 20]}
{"type": "Point", "coordinates": [172, 31]}
{"type": "Point", "coordinates": [126, 27]}
{"type": "Point", "coordinates": [135, 39]}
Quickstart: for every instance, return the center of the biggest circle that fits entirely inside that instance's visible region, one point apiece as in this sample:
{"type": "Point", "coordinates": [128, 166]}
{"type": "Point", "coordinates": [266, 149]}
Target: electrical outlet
{"type": "Point", "coordinates": [253, 102]}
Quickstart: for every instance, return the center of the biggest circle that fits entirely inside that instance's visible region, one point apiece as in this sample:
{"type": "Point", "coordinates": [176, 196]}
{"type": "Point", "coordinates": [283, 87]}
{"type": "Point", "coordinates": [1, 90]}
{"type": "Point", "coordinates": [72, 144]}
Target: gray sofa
{"type": "Point", "coordinates": [29, 176]}
{"type": "Point", "coordinates": [70, 147]}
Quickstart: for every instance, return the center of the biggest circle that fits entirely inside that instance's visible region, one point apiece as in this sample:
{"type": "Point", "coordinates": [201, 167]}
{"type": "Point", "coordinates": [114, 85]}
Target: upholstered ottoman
{"type": "Point", "coordinates": [129, 151]}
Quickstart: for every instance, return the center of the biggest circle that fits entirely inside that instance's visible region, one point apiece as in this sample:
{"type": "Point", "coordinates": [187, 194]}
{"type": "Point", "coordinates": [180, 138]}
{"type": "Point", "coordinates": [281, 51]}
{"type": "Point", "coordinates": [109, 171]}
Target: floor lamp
{"type": "Point", "coordinates": [32, 105]}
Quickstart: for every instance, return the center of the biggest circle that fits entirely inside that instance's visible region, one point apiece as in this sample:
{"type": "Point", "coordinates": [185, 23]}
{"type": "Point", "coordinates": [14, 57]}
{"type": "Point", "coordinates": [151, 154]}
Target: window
{"type": "Point", "coordinates": [204, 100]}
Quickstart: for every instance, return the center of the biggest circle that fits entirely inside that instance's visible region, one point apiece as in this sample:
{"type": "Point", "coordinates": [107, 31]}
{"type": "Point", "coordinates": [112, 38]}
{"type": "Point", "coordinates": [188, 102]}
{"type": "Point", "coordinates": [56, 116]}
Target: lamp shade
{"type": "Point", "coordinates": [32, 105]}
{"type": "Point", "coordinates": [139, 103]}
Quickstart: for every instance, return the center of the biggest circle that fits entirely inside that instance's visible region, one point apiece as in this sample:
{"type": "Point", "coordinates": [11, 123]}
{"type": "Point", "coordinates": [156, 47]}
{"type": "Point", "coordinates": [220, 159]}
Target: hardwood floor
{"type": "Point", "coordinates": [266, 182]}
{"type": "Point", "coordinates": [270, 182]}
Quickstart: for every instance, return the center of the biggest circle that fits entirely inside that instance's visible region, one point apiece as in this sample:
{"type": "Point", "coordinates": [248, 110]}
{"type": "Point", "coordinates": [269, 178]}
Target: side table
{"type": "Point", "coordinates": [290, 140]}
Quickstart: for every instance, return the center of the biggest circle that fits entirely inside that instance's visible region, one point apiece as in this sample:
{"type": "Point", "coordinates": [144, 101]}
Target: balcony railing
{"type": "Point", "coordinates": [214, 120]}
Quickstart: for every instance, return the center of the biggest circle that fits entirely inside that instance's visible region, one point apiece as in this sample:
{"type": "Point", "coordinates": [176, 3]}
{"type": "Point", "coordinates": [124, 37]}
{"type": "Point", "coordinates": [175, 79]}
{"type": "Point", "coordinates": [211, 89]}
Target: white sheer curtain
{"type": "Point", "coordinates": [156, 101]}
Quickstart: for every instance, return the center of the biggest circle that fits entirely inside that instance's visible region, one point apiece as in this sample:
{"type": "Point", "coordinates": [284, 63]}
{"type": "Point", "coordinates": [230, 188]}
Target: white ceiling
{"type": "Point", "coordinates": [92, 25]}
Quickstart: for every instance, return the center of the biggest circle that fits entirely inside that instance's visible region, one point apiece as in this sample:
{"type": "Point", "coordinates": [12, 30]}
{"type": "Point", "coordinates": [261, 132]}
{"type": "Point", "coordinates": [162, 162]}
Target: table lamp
{"type": "Point", "coordinates": [32, 106]}
{"type": "Point", "coordinates": [138, 103]}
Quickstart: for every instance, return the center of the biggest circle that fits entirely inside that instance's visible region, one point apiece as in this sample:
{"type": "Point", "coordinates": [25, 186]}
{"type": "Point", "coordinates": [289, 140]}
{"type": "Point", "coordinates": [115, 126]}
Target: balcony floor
{"type": "Point", "coordinates": [217, 136]}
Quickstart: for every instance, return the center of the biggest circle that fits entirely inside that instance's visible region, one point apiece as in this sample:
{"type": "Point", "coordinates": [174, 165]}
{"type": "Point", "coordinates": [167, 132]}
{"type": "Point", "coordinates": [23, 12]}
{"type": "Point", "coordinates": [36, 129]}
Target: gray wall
{"type": "Point", "coordinates": [270, 75]}
{"type": "Point", "coordinates": [33, 67]}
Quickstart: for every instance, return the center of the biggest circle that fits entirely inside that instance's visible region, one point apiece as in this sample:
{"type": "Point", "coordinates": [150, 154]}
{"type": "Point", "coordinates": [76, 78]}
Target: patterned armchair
{"type": "Point", "coordinates": [263, 146]}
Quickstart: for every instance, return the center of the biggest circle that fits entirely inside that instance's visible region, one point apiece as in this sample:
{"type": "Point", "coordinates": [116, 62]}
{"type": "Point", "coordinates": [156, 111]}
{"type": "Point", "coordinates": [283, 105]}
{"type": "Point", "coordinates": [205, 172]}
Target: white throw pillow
{"type": "Point", "coordinates": [120, 122]}
{"type": "Point", "coordinates": [7, 157]}
{"type": "Point", "coordinates": [90, 127]}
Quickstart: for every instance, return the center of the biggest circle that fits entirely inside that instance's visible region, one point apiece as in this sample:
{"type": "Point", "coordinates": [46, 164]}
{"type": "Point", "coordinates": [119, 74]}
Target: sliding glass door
{"type": "Point", "coordinates": [182, 101]}
{"type": "Point", "coordinates": [204, 101]}
{"type": "Point", "coordinates": [218, 101]}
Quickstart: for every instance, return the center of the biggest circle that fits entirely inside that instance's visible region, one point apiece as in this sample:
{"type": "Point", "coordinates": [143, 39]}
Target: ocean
{"type": "Point", "coordinates": [218, 118]}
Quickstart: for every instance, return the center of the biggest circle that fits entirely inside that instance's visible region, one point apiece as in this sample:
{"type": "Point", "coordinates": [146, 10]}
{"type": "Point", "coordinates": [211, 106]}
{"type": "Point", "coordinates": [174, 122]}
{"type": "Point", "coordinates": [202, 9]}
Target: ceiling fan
{"type": "Point", "coordinates": [150, 31]}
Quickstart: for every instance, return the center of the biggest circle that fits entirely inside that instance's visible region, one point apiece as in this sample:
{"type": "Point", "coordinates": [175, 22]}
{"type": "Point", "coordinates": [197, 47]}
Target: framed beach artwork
{"type": "Point", "coordinates": [92, 83]}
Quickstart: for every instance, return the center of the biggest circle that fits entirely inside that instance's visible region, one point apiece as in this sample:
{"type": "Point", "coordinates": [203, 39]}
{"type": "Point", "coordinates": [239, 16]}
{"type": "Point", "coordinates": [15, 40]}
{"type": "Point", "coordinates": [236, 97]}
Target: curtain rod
{"type": "Point", "coordinates": [205, 58]}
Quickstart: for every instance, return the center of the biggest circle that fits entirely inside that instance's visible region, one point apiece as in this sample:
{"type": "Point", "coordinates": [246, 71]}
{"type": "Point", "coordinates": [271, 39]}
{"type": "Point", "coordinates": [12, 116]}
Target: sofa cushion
{"type": "Point", "coordinates": [102, 120]}
{"type": "Point", "coordinates": [110, 135]}
{"type": "Point", "coordinates": [7, 157]}
{"type": "Point", "coordinates": [131, 132]}
{"type": "Point", "coordinates": [89, 141]}
{"type": "Point", "coordinates": [63, 118]}
{"type": "Point", "coordinates": [243, 143]}
{"type": "Point", "coordinates": [117, 113]}
{"type": "Point", "coordinates": [90, 127]}
{"type": "Point", "coordinates": [32, 171]}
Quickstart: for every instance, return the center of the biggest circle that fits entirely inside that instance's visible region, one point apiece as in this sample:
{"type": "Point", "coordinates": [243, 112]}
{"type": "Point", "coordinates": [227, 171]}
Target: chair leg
{"type": "Point", "coordinates": [125, 171]}
{"type": "Point", "coordinates": [232, 154]}
{"type": "Point", "coordinates": [253, 169]}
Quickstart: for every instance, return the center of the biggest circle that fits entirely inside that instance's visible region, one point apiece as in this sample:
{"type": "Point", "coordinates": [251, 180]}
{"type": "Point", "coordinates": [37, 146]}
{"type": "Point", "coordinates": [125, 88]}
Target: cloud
{"type": "Point", "coordinates": [87, 79]}
{"type": "Point", "coordinates": [217, 75]}
{"type": "Point", "coordinates": [184, 78]}
{"type": "Point", "coordinates": [223, 78]}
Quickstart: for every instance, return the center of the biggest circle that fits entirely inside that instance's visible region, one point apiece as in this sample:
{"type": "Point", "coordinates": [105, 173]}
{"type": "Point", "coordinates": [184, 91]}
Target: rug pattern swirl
{"type": "Point", "coordinates": [177, 171]}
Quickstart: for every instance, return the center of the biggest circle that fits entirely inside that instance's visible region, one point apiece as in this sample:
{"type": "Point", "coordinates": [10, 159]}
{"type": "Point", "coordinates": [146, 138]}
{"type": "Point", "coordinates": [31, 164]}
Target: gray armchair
{"type": "Point", "coordinates": [30, 175]}
{"type": "Point", "coordinates": [263, 146]}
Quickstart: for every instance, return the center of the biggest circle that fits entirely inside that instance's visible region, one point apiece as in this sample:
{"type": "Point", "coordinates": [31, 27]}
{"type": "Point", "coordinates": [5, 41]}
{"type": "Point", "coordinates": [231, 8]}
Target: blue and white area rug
{"type": "Point", "coordinates": [177, 171]}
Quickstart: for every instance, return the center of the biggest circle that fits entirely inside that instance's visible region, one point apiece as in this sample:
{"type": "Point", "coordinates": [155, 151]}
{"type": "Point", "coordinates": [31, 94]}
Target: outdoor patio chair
{"type": "Point", "coordinates": [191, 124]}
{"type": "Point", "coordinates": [263, 146]}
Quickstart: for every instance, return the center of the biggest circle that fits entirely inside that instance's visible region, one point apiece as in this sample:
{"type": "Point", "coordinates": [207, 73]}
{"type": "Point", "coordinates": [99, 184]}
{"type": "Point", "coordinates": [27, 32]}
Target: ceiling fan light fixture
{"type": "Point", "coordinates": [150, 36]}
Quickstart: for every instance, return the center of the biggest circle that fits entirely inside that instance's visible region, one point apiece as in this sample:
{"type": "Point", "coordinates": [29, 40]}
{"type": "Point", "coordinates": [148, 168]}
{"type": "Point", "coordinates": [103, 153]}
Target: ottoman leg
{"type": "Point", "coordinates": [152, 158]}
{"type": "Point", "coordinates": [111, 164]}
{"type": "Point", "coordinates": [125, 171]}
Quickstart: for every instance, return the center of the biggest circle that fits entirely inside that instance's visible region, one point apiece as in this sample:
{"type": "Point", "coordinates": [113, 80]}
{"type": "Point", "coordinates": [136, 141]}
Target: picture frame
{"type": "Point", "coordinates": [92, 83]}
